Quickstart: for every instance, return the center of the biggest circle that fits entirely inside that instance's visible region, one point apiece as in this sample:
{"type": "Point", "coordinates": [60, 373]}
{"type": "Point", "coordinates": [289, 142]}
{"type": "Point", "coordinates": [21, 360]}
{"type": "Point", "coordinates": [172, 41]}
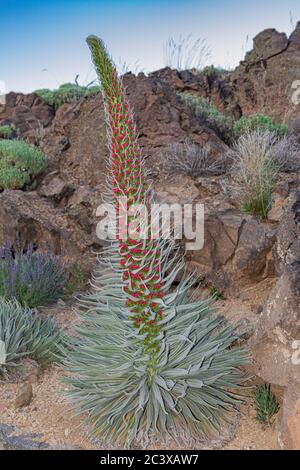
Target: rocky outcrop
{"type": "Point", "coordinates": [237, 249]}
{"type": "Point", "coordinates": [214, 85]}
{"type": "Point", "coordinates": [61, 210]}
{"type": "Point", "coordinates": [282, 311]}
{"type": "Point", "coordinates": [275, 345]}
{"type": "Point", "coordinates": [290, 424]}
{"type": "Point", "coordinates": [27, 112]}
{"type": "Point", "coordinates": [266, 81]}
{"type": "Point", "coordinates": [37, 220]}
{"type": "Point", "coordinates": [157, 107]}
{"type": "Point", "coordinates": [263, 82]}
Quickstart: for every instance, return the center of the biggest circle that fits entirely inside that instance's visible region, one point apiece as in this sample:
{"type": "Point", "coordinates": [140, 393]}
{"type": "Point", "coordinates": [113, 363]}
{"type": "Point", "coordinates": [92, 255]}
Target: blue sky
{"type": "Point", "coordinates": [43, 42]}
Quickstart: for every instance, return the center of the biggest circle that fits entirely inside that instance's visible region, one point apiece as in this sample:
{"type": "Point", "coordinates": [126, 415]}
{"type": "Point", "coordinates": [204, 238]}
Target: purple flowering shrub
{"type": "Point", "coordinates": [32, 277]}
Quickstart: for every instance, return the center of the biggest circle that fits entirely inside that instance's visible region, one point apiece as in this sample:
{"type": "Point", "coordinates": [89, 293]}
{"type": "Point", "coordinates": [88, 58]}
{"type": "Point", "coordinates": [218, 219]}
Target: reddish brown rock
{"type": "Point", "coordinates": [37, 220]}
{"type": "Point", "coordinates": [289, 437]}
{"type": "Point", "coordinates": [263, 81]}
{"type": "Point", "coordinates": [24, 396]}
{"type": "Point", "coordinates": [54, 187]}
{"type": "Point", "coordinates": [26, 112]}
{"type": "Point", "coordinates": [236, 252]}
{"type": "Point", "coordinates": [157, 107]}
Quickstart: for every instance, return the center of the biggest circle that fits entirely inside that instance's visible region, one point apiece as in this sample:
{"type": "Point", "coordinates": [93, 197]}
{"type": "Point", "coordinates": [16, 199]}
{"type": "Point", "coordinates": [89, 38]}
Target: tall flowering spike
{"type": "Point", "coordinates": [148, 360]}
{"type": "Point", "coordinates": [139, 261]}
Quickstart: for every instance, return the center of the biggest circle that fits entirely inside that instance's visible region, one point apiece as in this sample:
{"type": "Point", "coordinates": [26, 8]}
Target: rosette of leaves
{"type": "Point", "coordinates": [148, 361]}
{"type": "Point", "coordinates": [24, 333]}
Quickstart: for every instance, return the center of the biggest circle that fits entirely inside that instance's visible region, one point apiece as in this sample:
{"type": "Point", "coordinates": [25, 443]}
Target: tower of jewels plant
{"type": "Point", "coordinates": [149, 360]}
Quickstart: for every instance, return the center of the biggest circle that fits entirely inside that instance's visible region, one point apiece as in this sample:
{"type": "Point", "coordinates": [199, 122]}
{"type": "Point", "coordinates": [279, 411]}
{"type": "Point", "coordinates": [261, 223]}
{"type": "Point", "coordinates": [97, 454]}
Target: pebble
{"type": "Point", "coordinates": [24, 395]}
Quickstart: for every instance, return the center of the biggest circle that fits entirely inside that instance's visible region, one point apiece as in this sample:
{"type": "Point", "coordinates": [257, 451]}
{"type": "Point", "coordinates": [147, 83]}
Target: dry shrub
{"type": "Point", "coordinates": [192, 160]}
{"type": "Point", "coordinates": [254, 170]}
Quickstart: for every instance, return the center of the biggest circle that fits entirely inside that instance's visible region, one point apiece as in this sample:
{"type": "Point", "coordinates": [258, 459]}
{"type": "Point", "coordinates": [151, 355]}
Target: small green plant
{"type": "Point", "coordinates": [66, 93]}
{"type": "Point", "coordinates": [212, 71]}
{"type": "Point", "coordinates": [20, 163]}
{"type": "Point", "coordinates": [266, 404]}
{"type": "Point", "coordinates": [215, 294]}
{"type": "Point", "coordinates": [203, 109]}
{"type": "Point", "coordinates": [260, 202]}
{"type": "Point", "coordinates": [258, 122]}
{"type": "Point", "coordinates": [7, 131]}
{"type": "Point", "coordinates": [24, 333]}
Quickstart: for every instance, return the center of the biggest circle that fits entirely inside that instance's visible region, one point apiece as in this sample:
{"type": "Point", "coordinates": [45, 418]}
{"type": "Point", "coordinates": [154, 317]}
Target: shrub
{"type": "Point", "coordinates": [183, 54]}
{"type": "Point", "coordinates": [20, 163]}
{"type": "Point", "coordinates": [212, 72]}
{"type": "Point", "coordinates": [294, 127]}
{"type": "Point", "coordinates": [34, 278]}
{"type": "Point", "coordinates": [258, 122]}
{"type": "Point", "coordinates": [66, 93]}
{"type": "Point", "coordinates": [255, 170]}
{"type": "Point", "coordinates": [147, 361]}
{"type": "Point", "coordinates": [257, 158]}
{"type": "Point", "coordinates": [204, 110]}
{"type": "Point", "coordinates": [265, 403]}
{"type": "Point", "coordinates": [7, 131]}
{"type": "Point", "coordinates": [23, 333]}
{"type": "Point", "coordinates": [286, 154]}
{"type": "Point", "coordinates": [192, 160]}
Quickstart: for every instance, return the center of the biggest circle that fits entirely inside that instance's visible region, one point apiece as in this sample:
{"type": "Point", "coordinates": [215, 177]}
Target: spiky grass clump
{"type": "Point", "coordinates": [286, 154]}
{"type": "Point", "coordinates": [24, 333]}
{"type": "Point", "coordinates": [266, 404]}
{"type": "Point", "coordinates": [255, 170]}
{"type": "Point", "coordinates": [257, 157]}
{"type": "Point", "coordinates": [184, 54]}
{"type": "Point", "coordinates": [191, 159]}
{"type": "Point", "coordinates": [147, 360]}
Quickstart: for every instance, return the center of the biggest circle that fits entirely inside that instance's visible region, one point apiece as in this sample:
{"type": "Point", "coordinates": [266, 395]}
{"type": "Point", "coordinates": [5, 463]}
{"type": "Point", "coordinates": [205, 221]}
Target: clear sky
{"type": "Point", "coordinates": [42, 43]}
